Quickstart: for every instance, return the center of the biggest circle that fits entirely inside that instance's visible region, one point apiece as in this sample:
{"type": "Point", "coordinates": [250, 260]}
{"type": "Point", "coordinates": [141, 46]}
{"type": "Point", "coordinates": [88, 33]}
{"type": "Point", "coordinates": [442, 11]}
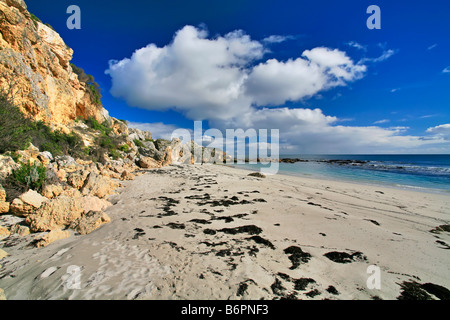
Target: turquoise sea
{"type": "Point", "coordinates": [430, 172]}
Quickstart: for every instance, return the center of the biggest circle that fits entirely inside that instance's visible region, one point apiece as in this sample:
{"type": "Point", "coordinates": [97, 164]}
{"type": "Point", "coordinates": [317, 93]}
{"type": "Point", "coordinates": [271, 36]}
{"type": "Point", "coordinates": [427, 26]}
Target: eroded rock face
{"type": "Point", "coordinates": [35, 68]}
{"type": "Point", "coordinates": [55, 214]}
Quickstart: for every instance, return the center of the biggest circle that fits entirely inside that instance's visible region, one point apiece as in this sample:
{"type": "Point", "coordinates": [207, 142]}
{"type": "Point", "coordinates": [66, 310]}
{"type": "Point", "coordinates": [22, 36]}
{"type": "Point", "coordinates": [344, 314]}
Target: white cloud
{"type": "Point", "coordinates": [383, 57]}
{"type": "Point", "coordinates": [382, 121]}
{"type": "Point", "coordinates": [276, 39]}
{"type": "Point", "coordinates": [357, 45]}
{"type": "Point", "coordinates": [446, 70]}
{"type": "Point", "coordinates": [442, 131]}
{"type": "Point", "coordinates": [216, 78]}
{"type": "Point", "coordinates": [274, 82]}
{"type": "Point", "coordinates": [311, 131]}
{"type": "Point", "coordinates": [432, 46]}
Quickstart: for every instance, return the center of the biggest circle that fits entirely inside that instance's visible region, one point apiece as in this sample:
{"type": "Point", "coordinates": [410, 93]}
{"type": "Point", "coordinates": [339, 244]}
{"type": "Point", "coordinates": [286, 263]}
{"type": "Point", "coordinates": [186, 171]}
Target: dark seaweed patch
{"type": "Point", "coordinates": [209, 231]}
{"type": "Point", "coordinates": [332, 290]}
{"type": "Point", "coordinates": [201, 221]}
{"type": "Point", "coordinates": [437, 290]}
{"type": "Point", "coordinates": [413, 291]}
{"type": "Point", "coordinates": [344, 257]}
{"type": "Point", "coordinates": [173, 225]}
{"type": "Point", "coordinates": [262, 241]}
{"type": "Point", "coordinates": [373, 221]}
{"type": "Point", "coordinates": [302, 283]}
{"type": "Point", "coordinates": [297, 256]}
{"type": "Point", "coordinates": [251, 229]}
{"type": "Point", "coordinates": [313, 293]}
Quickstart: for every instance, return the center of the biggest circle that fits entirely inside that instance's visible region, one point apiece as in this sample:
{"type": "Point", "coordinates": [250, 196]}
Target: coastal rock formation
{"type": "Point", "coordinates": [35, 70]}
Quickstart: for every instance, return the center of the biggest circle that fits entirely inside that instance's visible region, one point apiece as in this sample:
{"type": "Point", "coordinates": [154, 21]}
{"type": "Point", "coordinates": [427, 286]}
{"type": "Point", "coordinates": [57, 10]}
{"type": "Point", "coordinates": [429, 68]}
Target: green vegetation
{"type": "Point", "coordinates": [29, 176]}
{"type": "Point", "coordinates": [34, 18]}
{"type": "Point", "coordinates": [104, 128]}
{"type": "Point", "coordinates": [89, 80]}
{"type": "Point", "coordinates": [138, 143]}
{"type": "Point", "coordinates": [106, 142]}
{"type": "Point", "coordinates": [124, 148]}
{"type": "Point", "coordinates": [17, 132]}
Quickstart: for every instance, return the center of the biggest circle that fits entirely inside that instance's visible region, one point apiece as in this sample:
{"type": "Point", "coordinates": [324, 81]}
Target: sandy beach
{"type": "Point", "coordinates": [212, 232]}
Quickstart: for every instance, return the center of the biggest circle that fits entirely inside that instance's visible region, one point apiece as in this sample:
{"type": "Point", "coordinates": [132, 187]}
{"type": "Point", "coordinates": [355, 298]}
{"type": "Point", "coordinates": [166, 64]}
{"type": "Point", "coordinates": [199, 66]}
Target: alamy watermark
{"type": "Point", "coordinates": [72, 278]}
{"type": "Point", "coordinates": [374, 280]}
{"type": "Point", "coordinates": [236, 146]}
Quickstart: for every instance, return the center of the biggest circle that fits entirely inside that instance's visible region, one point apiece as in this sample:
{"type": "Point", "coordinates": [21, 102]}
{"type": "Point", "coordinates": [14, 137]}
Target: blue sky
{"type": "Point", "coordinates": [309, 68]}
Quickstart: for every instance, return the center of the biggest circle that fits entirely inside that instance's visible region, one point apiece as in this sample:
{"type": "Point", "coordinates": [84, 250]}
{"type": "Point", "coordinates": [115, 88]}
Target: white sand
{"type": "Point", "coordinates": [152, 249]}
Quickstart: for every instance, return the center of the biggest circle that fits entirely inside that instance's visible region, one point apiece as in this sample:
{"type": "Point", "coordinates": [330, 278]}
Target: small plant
{"type": "Point", "coordinates": [138, 143]}
{"type": "Point", "coordinates": [124, 148]}
{"type": "Point", "coordinates": [30, 176]}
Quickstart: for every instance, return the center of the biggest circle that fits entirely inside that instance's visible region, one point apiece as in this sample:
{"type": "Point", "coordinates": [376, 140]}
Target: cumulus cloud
{"type": "Point", "coordinates": [442, 131]}
{"type": "Point", "coordinates": [217, 78]}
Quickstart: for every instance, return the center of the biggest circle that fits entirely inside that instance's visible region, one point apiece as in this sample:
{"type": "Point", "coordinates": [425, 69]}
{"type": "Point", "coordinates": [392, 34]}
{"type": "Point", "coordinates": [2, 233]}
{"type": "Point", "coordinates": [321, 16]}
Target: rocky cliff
{"type": "Point", "coordinates": [35, 70]}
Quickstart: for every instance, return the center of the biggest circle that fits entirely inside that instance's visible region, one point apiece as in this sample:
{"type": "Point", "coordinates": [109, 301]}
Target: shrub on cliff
{"type": "Point", "coordinates": [29, 176]}
{"type": "Point", "coordinates": [91, 85]}
{"type": "Point", "coordinates": [17, 132]}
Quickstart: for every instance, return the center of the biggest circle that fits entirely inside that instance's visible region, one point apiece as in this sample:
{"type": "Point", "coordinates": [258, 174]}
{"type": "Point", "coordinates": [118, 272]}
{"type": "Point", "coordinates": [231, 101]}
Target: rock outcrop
{"type": "Point", "coordinates": [35, 69]}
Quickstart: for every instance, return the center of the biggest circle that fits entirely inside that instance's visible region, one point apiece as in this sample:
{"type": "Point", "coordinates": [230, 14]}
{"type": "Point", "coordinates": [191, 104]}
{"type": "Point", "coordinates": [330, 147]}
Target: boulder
{"type": "Point", "coordinates": [148, 163]}
{"type": "Point", "coordinates": [51, 191]}
{"type": "Point", "coordinates": [99, 186]}
{"type": "Point", "coordinates": [27, 203]}
{"type": "Point", "coordinates": [4, 207]}
{"type": "Point", "coordinates": [51, 237]}
{"type": "Point", "coordinates": [90, 222]}
{"type": "Point", "coordinates": [76, 179]}
{"type": "Point", "coordinates": [127, 175]}
{"type": "Point", "coordinates": [7, 166]}
{"type": "Point", "coordinates": [30, 154]}
{"type": "Point", "coordinates": [91, 203]}
{"type": "Point", "coordinates": [55, 214]}
{"type": "Point", "coordinates": [45, 158]}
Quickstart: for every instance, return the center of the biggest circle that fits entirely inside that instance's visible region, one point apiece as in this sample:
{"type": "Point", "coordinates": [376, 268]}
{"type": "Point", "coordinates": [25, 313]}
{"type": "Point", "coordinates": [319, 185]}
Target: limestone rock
{"type": "Point", "coordinates": [90, 222]}
{"type": "Point", "coordinates": [2, 295]}
{"type": "Point", "coordinates": [27, 203]}
{"type": "Point", "coordinates": [51, 191]}
{"type": "Point", "coordinates": [148, 163]}
{"type": "Point", "coordinates": [55, 214]}
{"type": "Point", "coordinates": [29, 155]}
{"type": "Point", "coordinates": [4, 207]}
{"type": "Point", "coordinates": [99, 186]}
{"type": "Point", "coordinates": [4, 232]}
{"type": "Point", "coordinates": [36, 59]}
{"type": "Point", "coordinates": [7, 166]}
{"type": "Point", "coordinates": [76, 179]}
{"type": "Point", "coordinates": [51, 237]}
{"type": "Point", "coordinates": [91, 203]}
{"type": "Point", "coordinates": [127, 175]}
{"type": "Point", "coordinates": [20, 230]}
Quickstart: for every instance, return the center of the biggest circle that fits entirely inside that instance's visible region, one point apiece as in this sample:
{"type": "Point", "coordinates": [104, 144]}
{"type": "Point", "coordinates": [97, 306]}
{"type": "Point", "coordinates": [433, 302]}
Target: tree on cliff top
{"type": "Point", "coordinates": [89, 80]}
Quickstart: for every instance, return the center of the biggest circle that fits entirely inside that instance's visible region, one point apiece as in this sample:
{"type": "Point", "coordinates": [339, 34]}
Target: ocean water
{"type": "Point", "coordinates": [427, 172]}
